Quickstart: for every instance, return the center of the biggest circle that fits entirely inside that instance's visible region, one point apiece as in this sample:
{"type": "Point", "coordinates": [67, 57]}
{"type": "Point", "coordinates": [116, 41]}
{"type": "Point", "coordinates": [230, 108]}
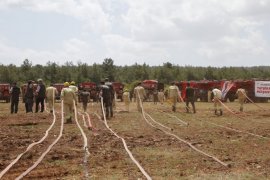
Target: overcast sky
{"type": "Point", "coordinates": [183, 32]}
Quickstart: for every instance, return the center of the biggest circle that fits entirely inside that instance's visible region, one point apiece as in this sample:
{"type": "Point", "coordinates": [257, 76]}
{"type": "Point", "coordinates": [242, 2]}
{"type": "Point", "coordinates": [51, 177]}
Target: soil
{"type": "Point", "coordinates": [244, 147]}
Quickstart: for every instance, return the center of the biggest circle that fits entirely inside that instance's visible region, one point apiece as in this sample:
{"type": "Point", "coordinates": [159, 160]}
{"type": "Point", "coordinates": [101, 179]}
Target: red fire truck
{"type": "Point", "coordinates": [91, 87]}
{"type": "Point", "coordinates": [204, 86]}
{"type": "Point", "coordinates": [4, 92]}
{"type": "Point", "coordinates": [118, 89]}
{"type": "Point", "coordinates": [59, 87]}
{"type": "Point", "coordinates": [249, 86]}
{"type": "Point", "coordinates": [150, 87]}
{"type": "Point", "coordinates": [182, 85]}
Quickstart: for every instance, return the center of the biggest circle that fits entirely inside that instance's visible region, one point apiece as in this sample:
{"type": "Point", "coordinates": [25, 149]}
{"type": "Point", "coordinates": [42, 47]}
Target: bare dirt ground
{"type": "Point", "coordinates": [245, 147]}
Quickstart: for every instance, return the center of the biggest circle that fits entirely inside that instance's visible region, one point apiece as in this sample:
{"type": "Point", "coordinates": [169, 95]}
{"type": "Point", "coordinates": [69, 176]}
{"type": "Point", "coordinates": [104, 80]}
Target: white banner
{"type": "Point", "coordinates": [262, 88]}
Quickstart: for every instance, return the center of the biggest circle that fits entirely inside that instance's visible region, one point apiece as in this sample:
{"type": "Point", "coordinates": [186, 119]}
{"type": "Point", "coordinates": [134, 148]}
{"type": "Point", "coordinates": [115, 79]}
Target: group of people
{"type": "Point", "coordinates": [174, 96]}
{"type": "Point", "coordinates": [30, 93]}
{"type": "Point", "coordinates": [69, 95]}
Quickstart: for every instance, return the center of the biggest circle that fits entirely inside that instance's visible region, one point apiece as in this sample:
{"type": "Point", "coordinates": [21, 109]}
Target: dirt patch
{"type": "Point", "coordinates": [161, 155]}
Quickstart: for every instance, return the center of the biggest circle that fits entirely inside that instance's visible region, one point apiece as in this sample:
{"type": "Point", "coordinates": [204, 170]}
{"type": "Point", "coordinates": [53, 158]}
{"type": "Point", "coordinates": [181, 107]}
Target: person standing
{"type": "Point", "coordinates": [112, 91]}
{"type": "Point", "coordinates": [241, 95]}
{"type": "Point", "coordinates": [155, 96]}
{"type": "Point", "coordinates": [140, 94]}
{"type": "Point", "coordinates": [15, 93]}
{"type": "Point", "coordinates": [161, 96]}
{"type": "Point", "coordinates": [51, 92]}
{"type": "Point", "coordinates": [68, 96]}
{"type": "Point", "coordinates": [173, 95]}
{"type": "Point", "coordinates": [217, 94]}
{"type": "Point", "coordinates": [85, 97]}
{"type": "Point", "coordinates": [29, 97]}
{"type": "Point", "coordinates": [126, 99]}
{"type": "Point", "coordinates": [40, 95]}
{"type": "Point", "coordinates": [190, 98]}
{"type": "Point", "coordinates": [74, 88]}
{"type": "Point", "coordinates": [105, 94]}
{"type": "Point", "coordinates": [209, 94]}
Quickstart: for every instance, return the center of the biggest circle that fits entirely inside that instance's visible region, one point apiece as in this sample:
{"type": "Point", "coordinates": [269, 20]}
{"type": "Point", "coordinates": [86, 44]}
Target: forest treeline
{"type": "Point", "coordinates": [166, 73]}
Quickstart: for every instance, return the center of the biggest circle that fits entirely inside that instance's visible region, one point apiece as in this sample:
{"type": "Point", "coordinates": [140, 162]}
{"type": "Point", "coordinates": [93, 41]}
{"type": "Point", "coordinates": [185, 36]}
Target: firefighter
{"type": "Point", "coordinates": [73, 87]}
{"type": "Point", "coordinates": [190, 98]}
{"type": "Point", "coordinates": [140, 95]}
{"type": "Point", "coordinates": [155, 96]}
{"type": "Point", "coordinates": [40, 95]}
{"type": "Point", "coordinates": [51, 92]}
{"type": "Point", "coordinates": [161, 96]}
{"type": "Point", "coordinates": [209, 94]}
{"type": "Point", "coordinates": [105, 94]}
{"type": "Point", "coordinates": [29, 97]}
{"type": "Point", "coordinates": [112, 91]}
{"type": "Point", "coordinates": [68, 96]}
{"type": "Point", "coordinates": [241, 95]}
{"type": "Point", "coordinates": [217, 94]}
{"type": "Point", "coordinates": [85, 97]}
{"type": "Point", "coordinates": [126, 99]}
{"type": "Point", "coordinates": [15, 93]}
{"type": "Point", "coordinates": [173, 94]}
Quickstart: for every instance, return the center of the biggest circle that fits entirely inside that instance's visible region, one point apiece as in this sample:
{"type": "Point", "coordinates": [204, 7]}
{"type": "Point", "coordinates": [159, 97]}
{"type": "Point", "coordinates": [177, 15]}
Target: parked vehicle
{"type": "Point", "coordinates": [150, 87]}
{"type": "Point", "coordinates": [91, 87]}
{"type": "Point", "coordinates": [59, 87]}
{"type": "Point", "coordinates": [4, 92]}
{"type": "Point", "coordinates": [182, 85]}
{"type": "Point", "coordinates": [249, 86]}
{"type": "Point", "coordinates": [118, 89]}
{"type": "Point", "coordinates": [204, 86]}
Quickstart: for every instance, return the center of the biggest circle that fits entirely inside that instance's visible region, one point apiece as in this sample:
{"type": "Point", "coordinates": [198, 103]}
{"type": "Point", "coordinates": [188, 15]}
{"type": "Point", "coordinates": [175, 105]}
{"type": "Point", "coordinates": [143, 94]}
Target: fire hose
{"type": "Point", "coordinates": [124, 143]}
{"type": "Point", "coordinates": [228, 109]}
{"type": "Point", "coordinates": [29, 147]}
{"type": "Point", "coordinates": [182, 140]}
{"type": "Point", "coordinates": [85, 147]}
{"type": "Point", "coordinates": [48, 149]}
{"type": "Point", "coordinates": [253, 102]}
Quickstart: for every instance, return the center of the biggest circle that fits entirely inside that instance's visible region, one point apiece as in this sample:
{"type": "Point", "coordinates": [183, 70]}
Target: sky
{"type": "Point", "coordinates": [213, 33]}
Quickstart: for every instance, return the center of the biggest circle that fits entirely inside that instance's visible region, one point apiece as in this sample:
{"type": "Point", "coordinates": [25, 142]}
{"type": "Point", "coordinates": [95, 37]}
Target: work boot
{"type": "Point", "coordinates": [221, 112]}
{"type": "Point", "coordinates": [173, 108]}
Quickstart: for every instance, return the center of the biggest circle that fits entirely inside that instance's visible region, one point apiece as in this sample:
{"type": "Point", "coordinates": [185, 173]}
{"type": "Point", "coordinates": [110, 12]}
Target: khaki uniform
{"type": "Point", "coordinates": [241, 94]}
{"type": "Point", "coordinates": [50, 97]}
{"type": "Point", "coordinates": [139, 92]}
{"type": "Point", "coordinates": [173, 95]}
{"type": "Point", "coordinates": [161, 97]}
{"type": "Point", "coordinates": [217, 94]}
{"type": "Point", "coordinates": [209, 92]}
{"type": "Point", "coordinates": [126, 99]}
{"type": "Point", "coordinates": [68, 96]}
{"type": "Point", "coordinates": [75, 90]}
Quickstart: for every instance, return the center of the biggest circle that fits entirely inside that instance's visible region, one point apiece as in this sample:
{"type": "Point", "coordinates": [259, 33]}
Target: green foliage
{"type": "Point", "coordinates": [129, 75]}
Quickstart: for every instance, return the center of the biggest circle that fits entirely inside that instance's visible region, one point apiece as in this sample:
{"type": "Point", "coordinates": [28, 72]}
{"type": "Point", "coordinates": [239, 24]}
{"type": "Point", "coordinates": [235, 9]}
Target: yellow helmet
{"type": "Point", "coordinates": [72, 83]}
{"type": "Point", "coordinates": [66, 84]}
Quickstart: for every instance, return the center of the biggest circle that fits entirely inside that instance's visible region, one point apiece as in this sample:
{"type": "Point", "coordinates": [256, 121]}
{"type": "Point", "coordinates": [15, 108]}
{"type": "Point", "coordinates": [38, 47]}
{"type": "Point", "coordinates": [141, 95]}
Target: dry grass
{"type": "Point", "coordinates": [161, 155]}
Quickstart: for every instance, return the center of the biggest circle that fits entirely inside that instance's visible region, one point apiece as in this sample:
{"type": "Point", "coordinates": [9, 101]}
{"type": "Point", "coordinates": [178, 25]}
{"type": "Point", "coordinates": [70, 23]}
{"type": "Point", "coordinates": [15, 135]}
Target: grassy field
{"type": "Point", "coordinates": [239, 140]}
